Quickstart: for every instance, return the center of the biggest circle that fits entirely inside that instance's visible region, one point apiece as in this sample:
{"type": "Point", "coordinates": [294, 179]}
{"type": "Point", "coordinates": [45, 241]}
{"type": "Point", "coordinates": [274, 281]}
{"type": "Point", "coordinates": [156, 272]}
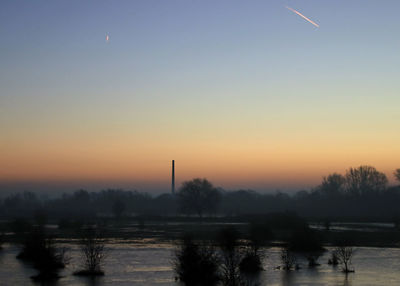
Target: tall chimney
{"type": "Point", "coordinates": [173, 178]}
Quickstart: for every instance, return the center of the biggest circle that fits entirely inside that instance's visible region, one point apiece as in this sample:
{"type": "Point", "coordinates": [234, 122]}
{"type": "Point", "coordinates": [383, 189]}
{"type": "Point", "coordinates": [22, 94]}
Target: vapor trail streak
{"type": "Point", "coordinates": [302, 16]}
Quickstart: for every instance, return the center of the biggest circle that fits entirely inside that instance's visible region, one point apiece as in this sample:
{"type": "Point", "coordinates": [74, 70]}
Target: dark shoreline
{"type": "Point", "coordinates": [170, 230]}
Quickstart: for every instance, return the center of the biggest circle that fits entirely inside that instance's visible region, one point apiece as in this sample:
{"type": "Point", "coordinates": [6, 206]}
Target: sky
{"type": "Point", "coordinates": [247, 94]}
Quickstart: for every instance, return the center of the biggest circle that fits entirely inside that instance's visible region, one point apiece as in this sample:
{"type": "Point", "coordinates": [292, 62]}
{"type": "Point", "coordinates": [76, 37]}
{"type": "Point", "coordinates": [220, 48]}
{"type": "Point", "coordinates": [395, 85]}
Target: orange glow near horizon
{"type": "Point", "coordinates": [231, 165]}
{"type": "Point", "coordinates": [247, 98]}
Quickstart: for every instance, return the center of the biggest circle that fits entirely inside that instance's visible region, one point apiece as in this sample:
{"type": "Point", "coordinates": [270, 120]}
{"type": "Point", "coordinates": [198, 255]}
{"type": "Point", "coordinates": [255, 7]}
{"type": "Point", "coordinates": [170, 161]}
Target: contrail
{"type": "Point", "coordinates": [302, 16]}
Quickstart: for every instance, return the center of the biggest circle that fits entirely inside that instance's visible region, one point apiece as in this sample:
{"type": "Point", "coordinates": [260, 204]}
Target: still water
{"type": "Point", "coordinates": [151, 264]}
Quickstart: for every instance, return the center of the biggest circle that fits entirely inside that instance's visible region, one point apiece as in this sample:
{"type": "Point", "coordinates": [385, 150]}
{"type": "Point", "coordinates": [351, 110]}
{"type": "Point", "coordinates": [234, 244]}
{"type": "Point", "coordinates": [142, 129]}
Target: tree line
{"type": "Point", "coordinates": [362, 192]}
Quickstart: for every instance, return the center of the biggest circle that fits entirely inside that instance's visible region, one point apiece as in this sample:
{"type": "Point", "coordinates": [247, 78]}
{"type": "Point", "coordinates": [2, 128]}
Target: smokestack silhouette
{"type": "Point", "coordinates": [173, 178]}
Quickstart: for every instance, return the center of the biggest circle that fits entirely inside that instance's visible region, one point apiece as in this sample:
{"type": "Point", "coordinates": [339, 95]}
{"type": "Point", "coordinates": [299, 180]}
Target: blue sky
{"type": "Point", "coordinates": [239, 77]}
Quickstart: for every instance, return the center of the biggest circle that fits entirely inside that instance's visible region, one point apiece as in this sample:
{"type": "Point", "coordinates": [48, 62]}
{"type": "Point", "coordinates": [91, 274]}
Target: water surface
{"type": "Point", "coordinates": [133, 263]}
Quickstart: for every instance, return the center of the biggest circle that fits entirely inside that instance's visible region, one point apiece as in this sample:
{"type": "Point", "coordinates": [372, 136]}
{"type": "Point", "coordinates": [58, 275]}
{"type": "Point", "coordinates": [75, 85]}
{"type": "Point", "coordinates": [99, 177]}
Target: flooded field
{"type": "Point", "coordinates": [133, 263]}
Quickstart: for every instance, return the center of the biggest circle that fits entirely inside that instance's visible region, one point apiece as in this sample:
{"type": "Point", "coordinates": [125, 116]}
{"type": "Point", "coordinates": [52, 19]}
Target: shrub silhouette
{"type": "Point", "coordinates": [250, 263]}
{"type": "Point", "coordinates": [93, 253]}
{"type": "Point", "coordinates": [45, 257]}
{"type": "Point", "coordinates": [196, 265]}
{"type": "Point", "coordinates": [228, 240]}
{"type": "Point", "coordinates": [258, 235]}
{"type": "Point", "coordinates": [334, 259]}
{"type": "Point", "coordinates": [288, 259]}
{"type": "Point", "coordinates": [313, 260]}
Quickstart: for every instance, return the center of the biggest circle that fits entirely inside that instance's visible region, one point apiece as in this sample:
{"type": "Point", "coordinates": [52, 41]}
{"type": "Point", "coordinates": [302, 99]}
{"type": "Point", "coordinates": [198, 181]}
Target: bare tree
{"type": "Point", "coordinates": [365, 180]}
{"type": "Point", "coordinates": [93, 252]}
{"type": "Point", "coordinates": [231, 256]}
{"type": "Point", "coordinates": [344, 255]}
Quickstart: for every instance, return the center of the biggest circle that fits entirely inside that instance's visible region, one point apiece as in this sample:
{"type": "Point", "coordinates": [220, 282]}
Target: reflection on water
{"type": "Point", "coordinates": [287, 278]}
{"type": "Point", "coordinates": [252, 279]}
{"type": "Point", "coordinates": [355, 226]}
{"type": "Point", "coordinates": [347, 280]}
{"type": "Point", "coordinates": [151, 265]}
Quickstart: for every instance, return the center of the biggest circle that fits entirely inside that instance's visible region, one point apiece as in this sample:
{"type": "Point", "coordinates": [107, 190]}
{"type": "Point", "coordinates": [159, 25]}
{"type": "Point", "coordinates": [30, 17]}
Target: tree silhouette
{"type": "Point", "coordinates": [365, 180]}
{"type": "Point", "coordinates": [332, 184]}
{"type": "Point", "coordinates": [198, 196]}
{"type": "Point", "coordinates": [344, 254]}
{"type": "Point", "coordinates": [397, 174]}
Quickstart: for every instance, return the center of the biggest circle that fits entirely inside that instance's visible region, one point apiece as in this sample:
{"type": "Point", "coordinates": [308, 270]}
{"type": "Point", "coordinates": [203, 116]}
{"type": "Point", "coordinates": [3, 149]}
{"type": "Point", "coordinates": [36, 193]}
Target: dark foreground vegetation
{"type": "Point", "coordinates": [40, 250]}
{"type": "Point", "coordinates": [226, 259]}
{"type": "Point", "coordinates": [208, 254]}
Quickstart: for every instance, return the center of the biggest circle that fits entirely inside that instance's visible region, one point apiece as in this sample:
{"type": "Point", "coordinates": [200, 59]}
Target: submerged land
{"type": "Point", "coordinates": [210, 231]}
